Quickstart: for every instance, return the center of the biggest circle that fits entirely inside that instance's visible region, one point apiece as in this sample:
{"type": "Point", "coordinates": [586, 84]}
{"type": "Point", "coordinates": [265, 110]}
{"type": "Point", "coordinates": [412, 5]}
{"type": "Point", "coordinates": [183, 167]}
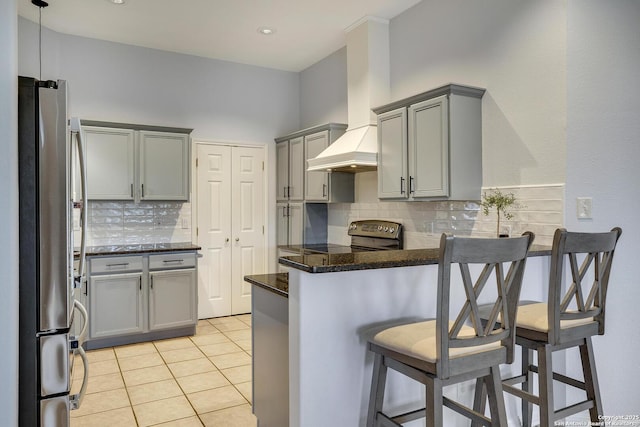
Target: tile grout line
{"type": "Point", "coordinates": [175, 379]}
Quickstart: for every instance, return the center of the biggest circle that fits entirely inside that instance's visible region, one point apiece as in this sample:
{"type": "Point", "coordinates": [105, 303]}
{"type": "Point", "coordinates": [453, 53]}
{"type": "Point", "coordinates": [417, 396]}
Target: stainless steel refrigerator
{"type": "Point", "coordinates": [48, 310]}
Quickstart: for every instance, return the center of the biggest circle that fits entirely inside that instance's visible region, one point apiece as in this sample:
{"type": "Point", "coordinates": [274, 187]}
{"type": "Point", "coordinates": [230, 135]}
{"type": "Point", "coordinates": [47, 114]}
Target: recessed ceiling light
{"type": "Point", "coordinates": [266, 31]}
{"type": "Point", "coordinates": [117, 1]}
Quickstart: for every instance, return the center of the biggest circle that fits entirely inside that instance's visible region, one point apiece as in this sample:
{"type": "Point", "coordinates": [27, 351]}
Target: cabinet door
{"type": "Point", "coordinates": [172, 299]}
{"type": "Point", "coordinates": [297, 167]}
{"type": "Point", "coordinates": [316, 183]}
{"type": "Point", "coordinates": [282, 171]}
{"type": "Point", "coordinates": [115, 305]}
{"type": "Point", "coordinates": [164, 166]}
{"type": "Point", "coordinates": [109, 162]}
{"type": "Point", "coordinates": [282, 224]}
{"type": "Point", "coordinates": [392, 154]}
{"type": "Point", "coordinates": [296, 223]}
{"type": "Point", "coordinates": [429, 148]}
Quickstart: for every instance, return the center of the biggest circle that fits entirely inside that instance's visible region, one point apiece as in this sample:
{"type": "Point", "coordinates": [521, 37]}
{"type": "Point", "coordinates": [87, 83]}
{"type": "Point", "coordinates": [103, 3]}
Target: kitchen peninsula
{"type": "Point", "coordinates": [320, 316]}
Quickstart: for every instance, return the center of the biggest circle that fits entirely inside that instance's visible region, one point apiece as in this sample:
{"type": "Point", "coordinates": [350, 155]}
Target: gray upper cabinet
{"type": "Point", "coordinates": [290, 171]}
{"type": "Point", "coordinates": [110, 158]}
{"type": "Point", "coordinates": [293, 151]}
{"type": "Point", "coordinates": [164, 166]}
{"type": "Point", "coordinates": [392, 154]}
{"type": "Point", "coordinates": [430, 145]}
{"type": "Point", "coordinates": [135, 162]}
{"type": "Point", "coordinates": [316, 183]}
{"type": "Point", "coordinates": [282, 172]}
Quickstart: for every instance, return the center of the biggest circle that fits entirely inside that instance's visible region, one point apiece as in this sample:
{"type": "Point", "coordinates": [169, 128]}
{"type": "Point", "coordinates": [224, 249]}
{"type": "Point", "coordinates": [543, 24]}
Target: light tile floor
{"type": "Point", "coordinates": [203, 380]}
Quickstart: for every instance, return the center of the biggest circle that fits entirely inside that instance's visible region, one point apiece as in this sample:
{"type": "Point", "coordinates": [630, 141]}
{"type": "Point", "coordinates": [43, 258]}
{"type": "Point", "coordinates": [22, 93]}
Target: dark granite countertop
{"type": "Point", "coordinates": [277, 283]}
{"type": "Point", "coordinates": [327, 263]}
{"type": "Point", "coordinates": [315, 248]}
{"type": "Point", "coordinates": [140, 249]}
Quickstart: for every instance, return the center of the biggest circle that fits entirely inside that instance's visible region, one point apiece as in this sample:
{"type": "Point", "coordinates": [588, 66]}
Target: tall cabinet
{"type": "Point", "coordinates": [430, 145]}
{"type": "Point", "coordinates": [302, 195]}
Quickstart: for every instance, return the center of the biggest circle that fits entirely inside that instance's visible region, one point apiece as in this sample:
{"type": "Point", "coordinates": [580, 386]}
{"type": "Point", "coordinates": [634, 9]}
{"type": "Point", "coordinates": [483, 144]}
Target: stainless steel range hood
{"type": "Point", "coordinates": [367, 86]}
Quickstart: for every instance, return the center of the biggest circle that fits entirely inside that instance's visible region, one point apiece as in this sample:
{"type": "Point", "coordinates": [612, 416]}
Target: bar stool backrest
{"type": "Point", "coordinates": [495, 254]}
{"type": "Point", "coordinates": [588, 257]}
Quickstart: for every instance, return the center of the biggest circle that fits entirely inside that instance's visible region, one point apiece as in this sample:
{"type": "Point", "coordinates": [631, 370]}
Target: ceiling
{"type": "Point", "coordinates": [306, 31]}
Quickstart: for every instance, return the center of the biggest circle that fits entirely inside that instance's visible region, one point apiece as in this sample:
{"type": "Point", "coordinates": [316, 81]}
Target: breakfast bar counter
{"type": "Point", "coordinates": [333, 303]}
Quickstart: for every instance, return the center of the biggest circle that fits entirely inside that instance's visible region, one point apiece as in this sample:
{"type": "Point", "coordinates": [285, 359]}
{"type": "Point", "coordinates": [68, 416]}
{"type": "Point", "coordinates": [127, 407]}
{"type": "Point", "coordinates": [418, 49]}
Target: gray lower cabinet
{"type": "Point", "coordinates": [141, 297]}
{"type": "Point", "coordinates": [172, 299]}
{"type": "Point", "coordinates": [116, 305]}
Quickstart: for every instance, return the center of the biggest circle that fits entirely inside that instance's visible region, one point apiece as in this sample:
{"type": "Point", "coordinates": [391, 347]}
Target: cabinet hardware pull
{"type": "Point", "coordinates": [140, 282]}
{"type": "Point", "coordinates": [142, 190]}
{"type": "Point", "coordinates": [151, 282]}
{"type": "Point", "coordinates": [288, 210]}
{"type": "Point", "coordinates": [131, 190]}
{"type": "Point", "coordinates": [123, 264]}
{"type": "Point", "coordinates": [401, 185]}
{"type": "Point", "coordinates": [411, 189]}
{"type": "Point", "coordinates": [324, 190]}
{"type": "Point", "coordinates": [166, 261]}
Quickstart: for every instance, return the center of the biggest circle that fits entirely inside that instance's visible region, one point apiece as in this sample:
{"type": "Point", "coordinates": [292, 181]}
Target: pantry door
{"type": "Point", "coordinates": [230, 226]}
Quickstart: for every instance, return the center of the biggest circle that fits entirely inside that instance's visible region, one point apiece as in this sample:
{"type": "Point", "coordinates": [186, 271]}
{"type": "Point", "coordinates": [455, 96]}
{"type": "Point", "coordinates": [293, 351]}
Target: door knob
{"type": "Point", "coordinates": [226, 240]}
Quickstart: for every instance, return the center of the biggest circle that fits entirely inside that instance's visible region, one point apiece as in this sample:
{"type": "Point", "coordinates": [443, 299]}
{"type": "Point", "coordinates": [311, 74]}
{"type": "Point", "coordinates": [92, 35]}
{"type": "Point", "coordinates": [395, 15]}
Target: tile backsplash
{"type": "Point", "coordinates": [116, 223]}
{"type": "Point", "coordinates": [540, 210]}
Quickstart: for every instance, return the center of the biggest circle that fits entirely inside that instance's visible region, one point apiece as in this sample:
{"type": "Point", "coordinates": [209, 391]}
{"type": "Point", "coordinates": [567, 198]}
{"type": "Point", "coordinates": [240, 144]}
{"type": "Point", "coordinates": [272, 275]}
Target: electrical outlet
{"type": "Point", "coordinates": [185, 223]}
{"type": "Point", "coordinates": [584, 207]}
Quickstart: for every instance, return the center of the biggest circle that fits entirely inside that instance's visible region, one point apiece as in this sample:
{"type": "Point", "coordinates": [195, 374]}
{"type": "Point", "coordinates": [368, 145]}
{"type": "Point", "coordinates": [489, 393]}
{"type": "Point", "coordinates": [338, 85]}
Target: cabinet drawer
{"type": "Point", "coordinates": [116, 264]}
{"type": "Point", "coordinates": [172, 261]}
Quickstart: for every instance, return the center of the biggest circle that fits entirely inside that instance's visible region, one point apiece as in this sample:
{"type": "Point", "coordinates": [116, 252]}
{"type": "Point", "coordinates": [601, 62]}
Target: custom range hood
{"type": "Point", "coordinates": [367, 86]}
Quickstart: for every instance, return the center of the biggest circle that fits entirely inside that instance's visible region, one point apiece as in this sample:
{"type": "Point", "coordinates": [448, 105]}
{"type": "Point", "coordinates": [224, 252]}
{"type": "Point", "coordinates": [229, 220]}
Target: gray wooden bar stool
{"type": "Point", "coordinates": [569, 319]}
{"type": "Point", "coordinates": [442, 351]}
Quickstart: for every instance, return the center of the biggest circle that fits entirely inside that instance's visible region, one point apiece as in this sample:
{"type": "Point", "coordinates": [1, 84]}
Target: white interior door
{"type": "Point", "coordinates": [230, 221]}
{"type": "Point", "coordinates": [247, 223]}
{"type": "Point", "coordinates": [214, 230]}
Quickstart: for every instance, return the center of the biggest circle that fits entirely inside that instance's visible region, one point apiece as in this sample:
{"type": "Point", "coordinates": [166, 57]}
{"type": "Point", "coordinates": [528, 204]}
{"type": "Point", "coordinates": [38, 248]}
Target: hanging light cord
{"type": "Point", "coordinates": [40, 4]}
{"type": "Point", "coordinates": [40, 40]}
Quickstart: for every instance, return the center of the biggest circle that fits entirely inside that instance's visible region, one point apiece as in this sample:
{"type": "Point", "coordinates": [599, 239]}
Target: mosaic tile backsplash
{"type": "Point", "coordinates": [116, 222]}
{"type": "Point", "coordinates": [540, 210]}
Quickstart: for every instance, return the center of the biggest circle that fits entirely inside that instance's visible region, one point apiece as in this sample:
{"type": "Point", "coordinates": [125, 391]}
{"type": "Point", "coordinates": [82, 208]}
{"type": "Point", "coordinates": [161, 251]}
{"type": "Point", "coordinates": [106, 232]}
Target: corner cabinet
{"type": "Point", "coordinates": [135, 298]}
{"type": "Point", "coordinates": [430, 145]}
{"type": "Point", "coordinates": [135, 162]}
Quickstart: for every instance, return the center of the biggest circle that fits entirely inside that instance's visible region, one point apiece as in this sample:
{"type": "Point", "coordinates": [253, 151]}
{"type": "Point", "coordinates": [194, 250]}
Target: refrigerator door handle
{"type": "Point", "coordinates": [76, 399]}
{"type": "Point", "coordinates": [85, 321]}
{"type": "Point", "coordinates": [76, 128]}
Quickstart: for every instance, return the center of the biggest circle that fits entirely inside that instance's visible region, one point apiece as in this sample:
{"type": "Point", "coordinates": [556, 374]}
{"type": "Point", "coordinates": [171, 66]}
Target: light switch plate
{"type": "Point", "coordinates": [584, 207]}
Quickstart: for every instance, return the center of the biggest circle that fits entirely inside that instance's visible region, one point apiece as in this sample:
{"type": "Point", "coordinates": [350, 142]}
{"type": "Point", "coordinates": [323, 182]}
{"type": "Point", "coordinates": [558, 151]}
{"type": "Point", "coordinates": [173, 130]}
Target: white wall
{"type": "Point", "coordinates": [116, 82]}
{"type": "Point", "coordinates": [9, 213]}
{"type": "Point", "coordinates": [517, 51]}
{"type": "Point", "coordinates": [603, 149]}
{"type": "Point", "coordinates": [323, 91]}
